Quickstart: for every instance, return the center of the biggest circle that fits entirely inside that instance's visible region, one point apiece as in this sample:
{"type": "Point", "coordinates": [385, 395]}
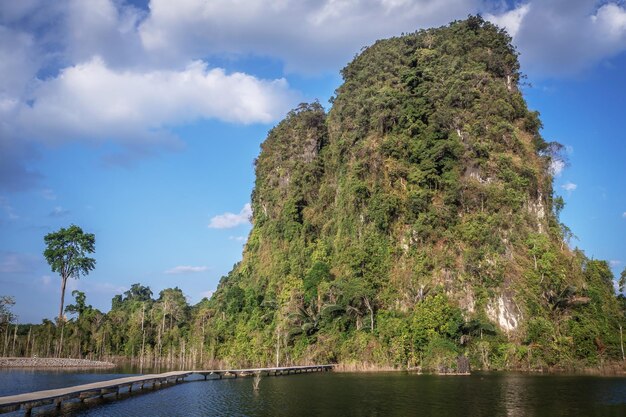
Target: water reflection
{"type": "Point", "coordinates": [378, 394]}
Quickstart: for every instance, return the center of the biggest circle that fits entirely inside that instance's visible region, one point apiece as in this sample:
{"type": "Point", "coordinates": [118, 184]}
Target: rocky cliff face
{"type": "Point", "coordinates": [414, 222]}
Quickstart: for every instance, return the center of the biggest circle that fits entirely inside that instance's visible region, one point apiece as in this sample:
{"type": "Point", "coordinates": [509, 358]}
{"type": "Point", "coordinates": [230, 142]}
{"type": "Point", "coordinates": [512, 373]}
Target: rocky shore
{"type": "Point", "coordinates": [52, 363]}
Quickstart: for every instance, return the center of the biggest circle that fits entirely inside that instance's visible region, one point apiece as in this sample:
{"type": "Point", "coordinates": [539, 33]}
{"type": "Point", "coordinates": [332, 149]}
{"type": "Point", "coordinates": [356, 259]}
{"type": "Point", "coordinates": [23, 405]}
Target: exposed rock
{"type": "Point", "coordinates": [504, 312]}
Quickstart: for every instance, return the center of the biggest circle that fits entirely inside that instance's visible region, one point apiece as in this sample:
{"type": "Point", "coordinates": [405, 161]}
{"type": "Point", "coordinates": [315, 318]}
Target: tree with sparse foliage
{"type": "Point", "coordinates": [5, 313]}
{"type": "Point", "coordinates": [66, 252]}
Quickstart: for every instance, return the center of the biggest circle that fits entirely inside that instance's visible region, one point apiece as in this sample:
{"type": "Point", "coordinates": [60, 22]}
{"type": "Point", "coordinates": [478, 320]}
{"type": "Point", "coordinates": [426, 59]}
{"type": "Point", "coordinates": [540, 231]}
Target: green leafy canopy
{"type": "Point", "coordinates": [67, 250]}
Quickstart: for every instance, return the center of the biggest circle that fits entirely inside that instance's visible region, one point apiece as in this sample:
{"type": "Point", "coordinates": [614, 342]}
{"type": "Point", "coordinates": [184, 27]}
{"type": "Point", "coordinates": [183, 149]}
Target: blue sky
{"type": "Point", "coordinates": [139, 121]}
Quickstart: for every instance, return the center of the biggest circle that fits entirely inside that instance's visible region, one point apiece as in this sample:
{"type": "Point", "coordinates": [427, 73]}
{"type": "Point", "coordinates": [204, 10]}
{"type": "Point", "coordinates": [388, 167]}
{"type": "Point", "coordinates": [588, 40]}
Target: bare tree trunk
{"type": "Point", "coordinates": [63, 283]}
{"type": "Point", "coordinates": [102, 349]}
{"type": "Point", "coordinates": [371, 310]}
{"type": "Point", "coordinates": [28, 341]}
{"type": "Point", "coordinates": [6, 340]}
{"type": "Point", "coordinates": [277, 346]}
{"type": "Point", "coordinates": [160, 343]}
{"type": "Point", "coordinates": [202, 343]}
{"type": "Point", "coordinates": [163, 327]}
{"type": "Point", "coordinates": [621, 339]}
{"type": "Point", "coordinates": [143, 337]}
{"type": "Point", "coordinates": [61, 342]}
{"type": "Point", "coordinates": [14, 339]}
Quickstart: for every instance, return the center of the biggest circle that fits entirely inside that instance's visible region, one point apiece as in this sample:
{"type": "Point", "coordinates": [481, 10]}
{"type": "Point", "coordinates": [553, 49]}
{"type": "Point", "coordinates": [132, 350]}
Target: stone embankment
{"type": "Point", "coordinates": [52, 363]}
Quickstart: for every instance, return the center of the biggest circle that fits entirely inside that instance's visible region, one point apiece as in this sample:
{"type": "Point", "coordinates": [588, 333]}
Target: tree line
{"type": "Point", "coordinates": [163, 330]}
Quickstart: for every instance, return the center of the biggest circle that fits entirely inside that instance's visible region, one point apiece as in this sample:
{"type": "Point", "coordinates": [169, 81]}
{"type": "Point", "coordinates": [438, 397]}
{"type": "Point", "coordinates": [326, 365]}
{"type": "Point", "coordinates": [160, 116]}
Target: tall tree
{"type": "Point", "coordinates": [66, 252]}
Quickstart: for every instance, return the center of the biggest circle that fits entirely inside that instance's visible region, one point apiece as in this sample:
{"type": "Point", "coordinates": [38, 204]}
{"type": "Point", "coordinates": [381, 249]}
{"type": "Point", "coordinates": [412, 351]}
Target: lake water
{"type": "Point", "coordinates": [350, 394]}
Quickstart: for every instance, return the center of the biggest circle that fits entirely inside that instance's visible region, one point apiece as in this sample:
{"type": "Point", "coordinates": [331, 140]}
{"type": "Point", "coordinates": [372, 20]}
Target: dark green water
{"type": "Point", "coordinates": [376, 394]}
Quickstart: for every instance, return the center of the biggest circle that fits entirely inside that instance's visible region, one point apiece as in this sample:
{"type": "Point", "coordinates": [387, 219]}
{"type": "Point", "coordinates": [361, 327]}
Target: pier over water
{"type": "Point", "coordinates": [115, 387]}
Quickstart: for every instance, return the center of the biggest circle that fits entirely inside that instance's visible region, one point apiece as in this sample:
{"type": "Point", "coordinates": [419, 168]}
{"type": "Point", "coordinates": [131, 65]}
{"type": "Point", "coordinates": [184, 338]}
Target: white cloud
{"type": "Point", "coordinates": [241, 239]}
{"type": "Point", "coordinates": [611, 18]}
{"type": "Point", "coordinates": [93, 101]}
{"type": "Point", "coordinates": [556, 167]}
{"type": "Point", "coordinates": [510, 20]}
{"type": "Point", "coordinates": [554, 37]}
{"type": "Point", "coordinates": [45, 280]}
{"type": "Point", "coordinates": [103, 27]}
{"type": "Point", "coordinates": [101, 85]}
{"type": "Point", "coordinates": [558, 38]}
{"type": "Point", "coordinates": [569, 186]}
{"type": "Point", "coordinates": [19, 63]}
{"type": "Point", "coordinates": [308, 35]}
{"type": "Point", "coordinates": [615, 263]}
{"type": "Point", "coordinates": [624, 214]}
{"type": "Point", "coordinates": [229, 220]}
{"type": "Point", "coordinates": [186, 269]}
{"type": "Point", "coordinates": [115, 72]}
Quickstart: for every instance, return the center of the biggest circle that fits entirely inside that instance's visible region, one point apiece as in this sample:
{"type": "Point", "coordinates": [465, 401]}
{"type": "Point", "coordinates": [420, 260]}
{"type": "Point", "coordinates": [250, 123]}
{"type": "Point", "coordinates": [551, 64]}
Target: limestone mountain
{"type": "Point", "coordinates": [415, 222]}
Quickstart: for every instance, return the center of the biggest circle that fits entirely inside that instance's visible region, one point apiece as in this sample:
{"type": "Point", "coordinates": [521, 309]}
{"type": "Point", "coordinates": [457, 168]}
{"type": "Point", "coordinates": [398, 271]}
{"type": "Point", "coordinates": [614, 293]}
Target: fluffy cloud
{"type": "Point", "coordinates": [229, 220]}
{"type": "Point", "coordinates": [186, 269]}
{"type": "Point", "coordinates": [103, 27]}
{"type": "Point", "coordinates": [79, 71]}
{"type": "Point", "coordinates": [309, 35]}
{"type": "Point", "coordinates": [93, 101]}
{"type": "Point", "coordinates": [510, 20]}
{"type": "Point", "coordinates": [624, 214]}
{"type": "Point", "coordinates": [18, 63]}
{"type": "Point", "coordinates": [105, 70]}
{"type": "Point", "coordinates": [554, 37]}
{"type": "Point", "coordinates": [556, 167]}
{"type": "Point", "coordinates": [569, 186]}
{"type": "Point", "coordinates": [562, 37]}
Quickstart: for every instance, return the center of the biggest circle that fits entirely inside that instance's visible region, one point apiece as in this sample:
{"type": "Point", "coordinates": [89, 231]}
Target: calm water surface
{"type": "Point", "coordinates": [18, 381]}
{"type": "Point", "coordinates": [345, 394]}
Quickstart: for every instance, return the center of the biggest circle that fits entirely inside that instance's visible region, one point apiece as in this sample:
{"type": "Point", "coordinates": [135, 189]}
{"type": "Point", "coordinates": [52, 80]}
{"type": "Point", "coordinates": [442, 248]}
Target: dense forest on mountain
{"type": "Point", "coordinates": [413, 223]}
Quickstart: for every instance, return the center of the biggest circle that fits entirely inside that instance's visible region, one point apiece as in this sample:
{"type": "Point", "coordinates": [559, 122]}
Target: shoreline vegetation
{"type": "Point", "coordinates": [607, 369]}
{"type": "Point", "coordinates": [45, 363]}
